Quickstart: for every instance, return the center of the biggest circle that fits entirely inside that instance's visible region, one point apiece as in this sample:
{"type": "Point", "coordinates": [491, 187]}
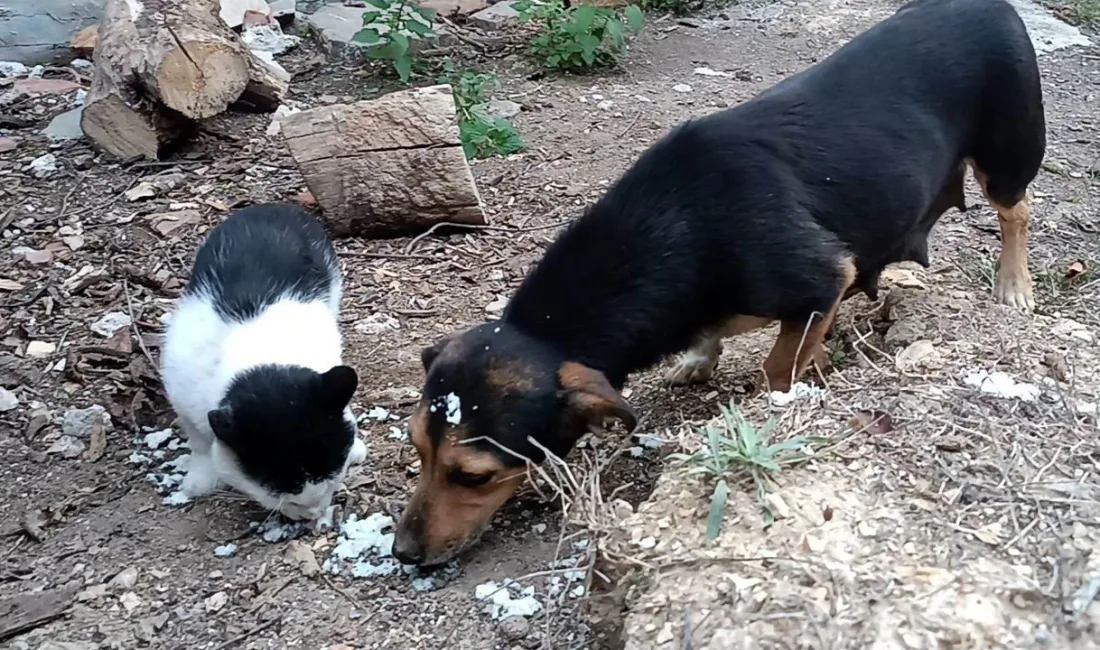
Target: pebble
{"type": "Point", "coordinates": [110, 323]}
{"type": "Point", "coordinates": [125, 579]}
{"type": "Point", "coordinates": [515, 628]}
{"type": "Point", "coordinates": [681, 88]}
{"type": "Point", "coordinates": [67, 446]}
{"type": "Point", "coordinates": [42, 166]}
{"type": "Point", "coordinates": [8, 400]}
{"type": "Point", "coordinates": [78, 423]}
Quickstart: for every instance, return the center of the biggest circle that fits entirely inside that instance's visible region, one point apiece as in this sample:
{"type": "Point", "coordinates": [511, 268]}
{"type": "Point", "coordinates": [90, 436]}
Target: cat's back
{"type": "Point", "coordinates": [262, 254]}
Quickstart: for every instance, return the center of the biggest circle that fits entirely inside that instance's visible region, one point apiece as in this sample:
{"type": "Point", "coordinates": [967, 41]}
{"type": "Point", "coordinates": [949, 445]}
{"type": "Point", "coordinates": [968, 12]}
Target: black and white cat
{"type": "Point", "coordinates": [252, 364]}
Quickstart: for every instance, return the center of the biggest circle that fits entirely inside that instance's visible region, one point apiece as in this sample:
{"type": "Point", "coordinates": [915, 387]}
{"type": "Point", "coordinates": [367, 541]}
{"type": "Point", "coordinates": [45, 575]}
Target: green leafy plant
{"type": "Point", "coordinates": [580, 37]}
{"type": "Point", "coordinates": [483, 135]}
{"type": "Point", "coordinates": [734, 450]}
{"type": "Point", "coordinates": [389, 27]}
{"type": "Point", "coordinates": [674, 7]}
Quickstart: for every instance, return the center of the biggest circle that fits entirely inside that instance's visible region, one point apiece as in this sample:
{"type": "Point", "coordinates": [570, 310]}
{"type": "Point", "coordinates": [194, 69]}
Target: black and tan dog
{"type": "Point", "coordinates": [775, 210]}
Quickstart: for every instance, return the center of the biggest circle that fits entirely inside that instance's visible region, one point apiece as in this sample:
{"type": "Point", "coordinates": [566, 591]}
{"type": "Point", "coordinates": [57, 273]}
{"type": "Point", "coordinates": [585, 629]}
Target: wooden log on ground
{"type": "Point", "coordinates": [386, 167]}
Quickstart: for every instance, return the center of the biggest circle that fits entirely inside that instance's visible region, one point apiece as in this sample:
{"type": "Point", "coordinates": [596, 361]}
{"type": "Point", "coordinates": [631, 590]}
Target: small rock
{"type": "Point", "coordinates": [622, 509]}
{"type": "Point", "coordinates": [74, 242]}
{"type": "Point", "coordinates": [78, 423]}
{"type": "Point", "coordinates": [708, 72]}
{"type": "Point", "coordinates": [65, 126]}
{"type": "Point", "coordinates": [328, 99]}
{"type": "Point", "coordinates": [904, 333]}
{"type": "Point", "coordinates": [916, 355]}
{"type": "Point", "coordinates": [83, 161]}
{"type": "Point", "coordinates": [283, 8]}
{"type": "Point", "coordinates": [42, 166]}
{"type": "Point", "coordinates": [31, 256]}
{"type": "Point", "coordinates": [8, 144]}
{"type": "Point", "coordinates": [778, 506]}
{"type": "Point", "coordinates": [8, 400]}
{"type": "Point", "coordinates": [495, 17]}
{"type": "Point", "coordinates": [276, 125]}
{"type": "Point", "coordinates": [81, 64]}
{"type": "Point", "coordinates": [95, 592]}
{"type": "Point", "coordinates": [110, 323]}
{"type": "Point", "coordinates": [504, 108]}
{"type": "Point", "coordinates": [125, 579]}
{"type": "Point", "coordinates": [665, 635]}
{"type": "Point", "coordinates": [300, 555]}
{"type": "Point", "coordinates": [681, 88]}
{"type": "Point", "coordinates": [377, 323]}
{"type": "Point", "coordinates": [225, 550]}
{"type": "Point", "coordinates": [130, 601]}
{"type": "Point", "coordinates": [497, 306]}
{"type": "Point", "coordinates": [67, 446]}
{"type": "Point", "coordinates": [39, 349]}
{"type": "Point", "coordinates": [605, 105]}
{"type": "Point", "coordinates": [216, 602]}
{"type": "Point", "coordinates": [515, 628]}
{"type": "Point", "coordinates": [269, 38]}
{"type": "Point", "coordinates": [143, 190]}
{"type": "Point", "coordinates": [12, 69]}
{"type": "Point", "coordinates": [233, 11]}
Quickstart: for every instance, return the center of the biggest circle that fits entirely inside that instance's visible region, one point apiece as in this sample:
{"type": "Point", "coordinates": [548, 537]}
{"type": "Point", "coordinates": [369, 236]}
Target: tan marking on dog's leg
{"type": "Point", "coordinates": [1013, 286]}
{"type": "Point", "coordinates": [800, 343]}
{"type": "Point", "coordinates": [697, 365]}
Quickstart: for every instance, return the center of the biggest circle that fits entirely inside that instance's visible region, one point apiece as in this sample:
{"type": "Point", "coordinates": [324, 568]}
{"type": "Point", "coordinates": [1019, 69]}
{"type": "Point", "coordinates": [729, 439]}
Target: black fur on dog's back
{"type": "Point", "coordinates": [746, 211]}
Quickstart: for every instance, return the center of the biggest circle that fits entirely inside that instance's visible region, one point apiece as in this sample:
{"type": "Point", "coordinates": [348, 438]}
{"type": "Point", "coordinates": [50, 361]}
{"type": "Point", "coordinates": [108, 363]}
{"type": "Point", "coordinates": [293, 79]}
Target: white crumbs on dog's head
{"type": "Point", "coordinates": [451, 404]}
{"type": "Point", "coordinates": [454, 409]}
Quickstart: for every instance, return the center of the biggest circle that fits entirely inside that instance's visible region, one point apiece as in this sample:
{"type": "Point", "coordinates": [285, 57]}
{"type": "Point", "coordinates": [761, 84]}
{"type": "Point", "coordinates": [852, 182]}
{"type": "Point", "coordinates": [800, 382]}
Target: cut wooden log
{"type": "Point", "coordinates": [386, 167]}
{"type": "Point", "coordinates": [160, 65]}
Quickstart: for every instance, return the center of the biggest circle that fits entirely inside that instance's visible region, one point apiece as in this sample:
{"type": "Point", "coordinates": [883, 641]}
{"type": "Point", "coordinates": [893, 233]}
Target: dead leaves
{"type": "Point", "coordinates": [872, 422]}
{"type": "Point", "coordinates": [1077, 269]}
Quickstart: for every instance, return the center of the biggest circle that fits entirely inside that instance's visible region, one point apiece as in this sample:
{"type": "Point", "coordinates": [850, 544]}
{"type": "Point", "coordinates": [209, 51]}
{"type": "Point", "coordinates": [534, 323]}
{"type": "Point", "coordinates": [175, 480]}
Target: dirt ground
{"type": "Point", "coordinates": [974, 523]}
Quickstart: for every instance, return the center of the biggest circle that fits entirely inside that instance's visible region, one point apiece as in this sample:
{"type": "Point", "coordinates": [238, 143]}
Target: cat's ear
{"type": "Point", "coordinates": [221, 423]}
{"type": "Point", "coordinates": [338, 385]}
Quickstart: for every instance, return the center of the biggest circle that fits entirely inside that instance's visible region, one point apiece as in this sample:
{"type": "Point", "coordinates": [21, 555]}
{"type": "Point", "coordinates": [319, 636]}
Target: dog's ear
{"type": "Point", "coordinates": [429, 354]}
{"type": "Point", "coordinates": [588, 399]}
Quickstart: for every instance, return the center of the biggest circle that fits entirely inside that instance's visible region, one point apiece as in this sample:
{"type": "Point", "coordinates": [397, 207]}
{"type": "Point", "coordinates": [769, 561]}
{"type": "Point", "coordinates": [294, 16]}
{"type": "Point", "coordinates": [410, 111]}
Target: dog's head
{"type": "Point", "coordinates": [487, 394]}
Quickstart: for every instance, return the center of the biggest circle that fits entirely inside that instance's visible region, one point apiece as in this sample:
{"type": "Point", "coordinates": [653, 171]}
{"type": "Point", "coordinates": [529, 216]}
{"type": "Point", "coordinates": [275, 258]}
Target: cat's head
{"type": "Point", "coordinates": [284, 436]}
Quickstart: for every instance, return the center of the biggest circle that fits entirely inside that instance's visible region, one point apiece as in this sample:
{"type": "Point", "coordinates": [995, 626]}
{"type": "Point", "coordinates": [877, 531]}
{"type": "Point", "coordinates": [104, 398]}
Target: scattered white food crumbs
{"type": "Point", "coordinates": [581, 544]}
{"type": "Point", "coordinates": [636, 452]}
{"type": "Point", "coordinates": [709, 72]}
{"type": "Point", "coordinates": [647, 542]}
{"type": "Point", "coordinates": [503, 605]}
{"type": "Point", "coordinates": [176, 499]}
{"type": "Point", "coordinates": [1088, 408]}
{"type": "Point", "coordinates": [454, 409]}
{"type": "Point", "coordinates": [139, 459]}
{"type": "Point", "coordinates": [496, 330]}
{"type": "Point", "coordinates": [647, 440]}
{"type": "Point", "coordinates": [368, 569]}
{"type": "Point", "coordinates": [378, 413]}
{"type": "Point", "coordinates": [398, 434]}
{"type": "Point", "coordinates": [540, 528]}
{"type": "Point", "coordinates": [423, 584]}
{"type": "Point", "coordinates": [361, 535]}
{"type": "Point", "coordinates": [554, 586]}
{"type": "Point", "coordinates": [277, 532]}
{"type": "Point", "coordinates": [1000, 384]}
{"type": "Point", "coordinates": [225, 550]}
{"type": "Point", "coordinates": [175, 444]}
{"type": "Point", "coordinates": [577, 591]}
{"type": "Point", "coordinates": [157, 438]}
{"type": "Point", "coordinates": [798, 392]}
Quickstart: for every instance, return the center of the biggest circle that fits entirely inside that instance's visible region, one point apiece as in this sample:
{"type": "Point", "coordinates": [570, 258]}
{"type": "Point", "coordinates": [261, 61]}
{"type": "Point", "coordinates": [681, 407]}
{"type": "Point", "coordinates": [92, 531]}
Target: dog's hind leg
{"type": "Point", "coordinates": [1013, 286]}
{"type": "Point", "coordinates": [696, 366]}
{"type": "Point", "coordinates": [801, 342]}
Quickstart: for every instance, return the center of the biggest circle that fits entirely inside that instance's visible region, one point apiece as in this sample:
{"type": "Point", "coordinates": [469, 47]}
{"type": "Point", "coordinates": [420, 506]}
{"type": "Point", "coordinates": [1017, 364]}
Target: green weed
{"type": "Point", "coordinates": [482, 134]}
{"type": "Point", "coordinates": [581, 37]}
{"type": "Point", "coordinates": [389, 29]}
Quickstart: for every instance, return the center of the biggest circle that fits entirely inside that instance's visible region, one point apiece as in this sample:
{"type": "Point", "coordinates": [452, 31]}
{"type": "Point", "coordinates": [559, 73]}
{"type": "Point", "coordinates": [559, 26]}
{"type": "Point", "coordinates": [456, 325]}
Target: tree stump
{"type": "Point", "coordinates": [386, 167]}
{"type": "Point", "coordinates": [162, 64]}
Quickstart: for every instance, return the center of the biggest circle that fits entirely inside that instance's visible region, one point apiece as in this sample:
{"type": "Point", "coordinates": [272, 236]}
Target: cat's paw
{"type": "Point", "coordinates": [358, 452]}
{"type": "Point", "coordinates": [201, 479]}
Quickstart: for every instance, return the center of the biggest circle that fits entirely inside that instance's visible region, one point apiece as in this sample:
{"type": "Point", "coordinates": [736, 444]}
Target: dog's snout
{"type": "Point", "coordinates": [407, 549]}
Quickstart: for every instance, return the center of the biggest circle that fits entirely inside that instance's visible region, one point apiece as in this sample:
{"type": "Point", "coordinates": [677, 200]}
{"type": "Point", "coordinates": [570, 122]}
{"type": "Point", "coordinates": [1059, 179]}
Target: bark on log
{"type": "Point", "coordinates": [386, 167]}
{"type": "Point", "coordinates": [159, 65]}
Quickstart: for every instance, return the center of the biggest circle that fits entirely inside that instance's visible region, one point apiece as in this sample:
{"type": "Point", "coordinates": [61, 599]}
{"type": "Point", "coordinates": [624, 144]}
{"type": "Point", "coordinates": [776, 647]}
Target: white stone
{"type": "Point", "coordinates": [110, 323]}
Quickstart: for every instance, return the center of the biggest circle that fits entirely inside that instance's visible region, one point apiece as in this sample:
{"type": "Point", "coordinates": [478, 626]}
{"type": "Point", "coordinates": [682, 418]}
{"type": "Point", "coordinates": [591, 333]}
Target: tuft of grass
{"type": "Point", "coordinates": [736, 450]}
{"type": "Point", "coordinates": [1084, 12]}
{"type": "Point", "coordinates": [482, 134]}
{"type": "Point", "coordinates": [578, 38]}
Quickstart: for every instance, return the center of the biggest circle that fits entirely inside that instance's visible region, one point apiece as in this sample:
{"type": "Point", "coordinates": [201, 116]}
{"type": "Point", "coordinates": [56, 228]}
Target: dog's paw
{"type": "Point", "coordinates": [358, 452]}
{"type": "Point", "coordinates": [691, 369]}
{"type": "Point", "coordinates": [201, 479]}
{"type": "Point", "coordinates": [1015, 291]}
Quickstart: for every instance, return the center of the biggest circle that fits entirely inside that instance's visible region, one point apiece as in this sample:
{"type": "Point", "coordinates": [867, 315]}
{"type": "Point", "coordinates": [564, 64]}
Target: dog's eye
{"type": "Point", "coordinates": [458, 477]}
